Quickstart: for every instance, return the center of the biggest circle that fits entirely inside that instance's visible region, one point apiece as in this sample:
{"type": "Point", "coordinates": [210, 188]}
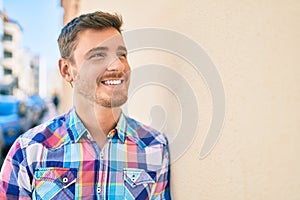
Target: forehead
{"type": "Point", "coordinates": [91, 38]}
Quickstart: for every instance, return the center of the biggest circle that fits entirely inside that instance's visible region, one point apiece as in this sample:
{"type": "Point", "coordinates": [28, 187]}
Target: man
{"type": "Point", "coordinates": [94, 151]}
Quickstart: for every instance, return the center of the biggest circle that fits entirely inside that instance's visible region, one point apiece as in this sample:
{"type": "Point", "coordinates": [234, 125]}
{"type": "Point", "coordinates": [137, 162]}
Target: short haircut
{"type": "Point", "coordinates": [67, 40]}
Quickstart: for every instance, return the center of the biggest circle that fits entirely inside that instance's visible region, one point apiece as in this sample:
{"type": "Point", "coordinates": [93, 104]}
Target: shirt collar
{"type": "Point", "coordinates": [76, 125]}
{"type": "Point", "coordinates": [121, 127]}
{"type": "Point", "coordinates": [125, 128]}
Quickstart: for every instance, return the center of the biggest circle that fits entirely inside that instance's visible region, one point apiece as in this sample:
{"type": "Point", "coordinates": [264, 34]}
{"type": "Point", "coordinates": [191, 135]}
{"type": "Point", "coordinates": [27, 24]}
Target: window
{"type": "Point", "coordinates": [8, 54]}
{"type": "Point", "coordinates": [7, 71]}
{"type": "Point", "coordinates": [7, 37]}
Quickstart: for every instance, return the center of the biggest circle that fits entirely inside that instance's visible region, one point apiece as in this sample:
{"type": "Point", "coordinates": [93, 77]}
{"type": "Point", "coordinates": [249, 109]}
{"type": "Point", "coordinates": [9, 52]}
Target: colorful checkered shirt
{"type": "Point", "coordinates": [60, 160]}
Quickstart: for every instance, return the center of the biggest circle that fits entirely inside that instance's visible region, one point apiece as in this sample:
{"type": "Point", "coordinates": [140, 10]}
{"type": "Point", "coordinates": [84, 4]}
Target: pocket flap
{"type": "Point", "coordinates": [60, 176]}
{"type": "Point", "coordinates": [136, 177]}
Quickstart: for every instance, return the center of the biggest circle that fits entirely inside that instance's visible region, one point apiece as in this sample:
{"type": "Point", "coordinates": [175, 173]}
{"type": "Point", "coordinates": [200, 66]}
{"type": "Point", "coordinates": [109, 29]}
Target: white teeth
{"type": "Point", "coordinates": [113, 82]}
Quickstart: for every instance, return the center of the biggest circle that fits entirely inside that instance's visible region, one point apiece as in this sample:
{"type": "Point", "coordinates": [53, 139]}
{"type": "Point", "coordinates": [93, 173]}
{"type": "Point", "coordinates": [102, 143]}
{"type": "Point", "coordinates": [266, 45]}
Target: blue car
{"type": "Point", "coordinates": [16, 117]}
{"type": "Point", "coordinates": [10, 119]}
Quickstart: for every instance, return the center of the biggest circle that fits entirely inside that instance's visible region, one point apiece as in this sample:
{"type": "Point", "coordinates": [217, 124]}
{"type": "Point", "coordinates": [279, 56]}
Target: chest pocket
{"type": "Point", "coordinates": [54, 183]}
{"type": "Point", "coordinates": [138, 183]}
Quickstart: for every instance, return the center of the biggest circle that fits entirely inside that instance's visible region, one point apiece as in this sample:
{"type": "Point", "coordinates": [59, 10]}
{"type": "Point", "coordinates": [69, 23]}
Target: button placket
{"type": "Point", "coordinates": [103, 169]}
{"type": "Point", "coordinates": [99, 190]}
{"type": "Point", "coordinates": [101, 155]}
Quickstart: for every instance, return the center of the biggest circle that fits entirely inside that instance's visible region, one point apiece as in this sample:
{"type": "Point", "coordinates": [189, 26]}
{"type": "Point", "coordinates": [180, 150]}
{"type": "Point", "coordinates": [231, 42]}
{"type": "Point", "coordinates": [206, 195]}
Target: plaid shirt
{"type": "Point", "coordinates": [59, 160]}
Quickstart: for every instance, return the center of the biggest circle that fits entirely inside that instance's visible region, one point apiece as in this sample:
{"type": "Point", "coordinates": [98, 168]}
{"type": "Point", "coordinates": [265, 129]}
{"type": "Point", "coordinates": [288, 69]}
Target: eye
{"type": "Point", "coordinates": [122, 55]}
{"type": "Point", "coordinates": [97, 55]}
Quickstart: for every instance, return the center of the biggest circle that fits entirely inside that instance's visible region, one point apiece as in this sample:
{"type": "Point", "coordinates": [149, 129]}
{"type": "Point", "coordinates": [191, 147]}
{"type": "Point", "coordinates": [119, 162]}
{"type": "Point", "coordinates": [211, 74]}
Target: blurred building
{"type": "Point", "coordinates": [1, 36]}
{"type": "Point", "coordinates": [1, 67]}
{"type": "Point", "coordinates": [20, 67]}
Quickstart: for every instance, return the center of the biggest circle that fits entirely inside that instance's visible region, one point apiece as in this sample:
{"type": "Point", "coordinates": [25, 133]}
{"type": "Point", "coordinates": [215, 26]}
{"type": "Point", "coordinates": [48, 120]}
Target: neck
{"type": "Point", "coordinates": [107, 118]}
{"type": "Point", "coordinates": [98, 120]}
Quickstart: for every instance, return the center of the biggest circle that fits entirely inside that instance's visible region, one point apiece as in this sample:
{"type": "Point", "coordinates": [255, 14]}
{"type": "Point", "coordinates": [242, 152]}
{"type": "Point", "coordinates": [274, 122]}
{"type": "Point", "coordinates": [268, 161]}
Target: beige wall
{"type": "Point", "coordinates": [255, 46]}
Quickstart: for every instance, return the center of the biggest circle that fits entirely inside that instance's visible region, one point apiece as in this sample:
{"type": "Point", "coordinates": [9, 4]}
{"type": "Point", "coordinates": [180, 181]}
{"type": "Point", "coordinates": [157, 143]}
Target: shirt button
{"type": "Point", "coordinates": [101, 155]}
{"type": "Point", "coordinates": [65, 180]}
{"type": "Point", "coordinates": [98, 190]}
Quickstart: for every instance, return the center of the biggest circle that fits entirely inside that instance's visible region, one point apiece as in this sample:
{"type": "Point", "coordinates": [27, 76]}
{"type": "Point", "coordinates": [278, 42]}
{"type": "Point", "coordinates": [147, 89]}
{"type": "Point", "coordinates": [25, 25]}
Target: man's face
{"type": "Point", "coordinates": [101, 71]}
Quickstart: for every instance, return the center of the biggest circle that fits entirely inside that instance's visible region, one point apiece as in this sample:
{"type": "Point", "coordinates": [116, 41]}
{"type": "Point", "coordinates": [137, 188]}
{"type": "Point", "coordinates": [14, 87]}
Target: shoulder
{"type": "Point", "coordinates": [49, 133]}
{"type": "Point", "coordinates": [148, 135]}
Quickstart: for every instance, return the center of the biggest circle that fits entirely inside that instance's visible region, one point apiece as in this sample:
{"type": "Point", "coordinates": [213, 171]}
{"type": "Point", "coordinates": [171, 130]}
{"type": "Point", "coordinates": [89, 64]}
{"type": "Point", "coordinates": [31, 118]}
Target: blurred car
{"type": "Point", "coordinates": [18, 116]}
{"type": "Point", "coordinates": [12, 120]}
{"type": "Point", "coordinates": [36, 109]}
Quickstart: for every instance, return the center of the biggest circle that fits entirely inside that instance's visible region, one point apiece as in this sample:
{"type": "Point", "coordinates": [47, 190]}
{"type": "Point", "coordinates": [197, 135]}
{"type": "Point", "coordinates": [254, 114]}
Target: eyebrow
{"type": "Point", "coordinates": [122, 48]}
{"type": "Point", "coordinates": [102, 48]}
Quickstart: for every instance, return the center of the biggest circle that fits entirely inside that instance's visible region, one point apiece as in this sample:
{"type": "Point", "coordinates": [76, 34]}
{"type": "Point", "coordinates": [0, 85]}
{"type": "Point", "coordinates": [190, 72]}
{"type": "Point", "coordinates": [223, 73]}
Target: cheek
{"type": "Point", "coordinates": [91, 72]}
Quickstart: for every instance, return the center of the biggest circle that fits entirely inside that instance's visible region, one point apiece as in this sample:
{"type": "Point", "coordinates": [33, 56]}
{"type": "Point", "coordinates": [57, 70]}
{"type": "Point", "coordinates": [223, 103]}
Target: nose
{"type": "Point", "coordinates": [115, 65]}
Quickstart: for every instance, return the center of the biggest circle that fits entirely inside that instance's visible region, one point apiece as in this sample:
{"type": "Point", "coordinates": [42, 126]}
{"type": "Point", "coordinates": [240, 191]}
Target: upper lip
{"type": "Point", "coordinates": [113, 77]}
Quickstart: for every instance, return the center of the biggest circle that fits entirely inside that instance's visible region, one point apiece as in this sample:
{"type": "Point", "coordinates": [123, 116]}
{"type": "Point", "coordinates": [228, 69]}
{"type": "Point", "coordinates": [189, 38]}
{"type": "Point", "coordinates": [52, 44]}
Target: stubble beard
{"type": "Point", "coordinates": [117, 100]}
{"type": "Point", "coordinates": [88, 91]}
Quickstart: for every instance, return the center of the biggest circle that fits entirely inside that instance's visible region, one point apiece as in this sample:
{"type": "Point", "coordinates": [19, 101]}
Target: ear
{"type": "Point", "coordinates": [65, 69]}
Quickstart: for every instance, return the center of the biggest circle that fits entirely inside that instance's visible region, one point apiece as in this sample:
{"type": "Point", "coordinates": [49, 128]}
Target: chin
{"type": "Point", "coordinates": [112, 103]}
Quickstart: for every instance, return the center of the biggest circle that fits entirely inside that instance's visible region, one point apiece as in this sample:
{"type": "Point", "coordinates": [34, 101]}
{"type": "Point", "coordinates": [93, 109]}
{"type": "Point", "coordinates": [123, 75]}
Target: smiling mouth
{"type": "Point", "coordinates": [112, 82]}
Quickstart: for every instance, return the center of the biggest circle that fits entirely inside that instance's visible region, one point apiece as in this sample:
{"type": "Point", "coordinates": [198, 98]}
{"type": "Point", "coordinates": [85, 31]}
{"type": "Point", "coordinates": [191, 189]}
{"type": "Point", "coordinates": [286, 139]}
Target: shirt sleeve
{"type": "Point", "coordinates": [15, 175]}
{"type": "Point", "coordinates": [162, 186]}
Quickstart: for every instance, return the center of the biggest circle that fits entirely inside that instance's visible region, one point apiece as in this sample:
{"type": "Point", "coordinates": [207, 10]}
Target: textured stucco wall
{"type": "Point", "coordinates": [255, 47]}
